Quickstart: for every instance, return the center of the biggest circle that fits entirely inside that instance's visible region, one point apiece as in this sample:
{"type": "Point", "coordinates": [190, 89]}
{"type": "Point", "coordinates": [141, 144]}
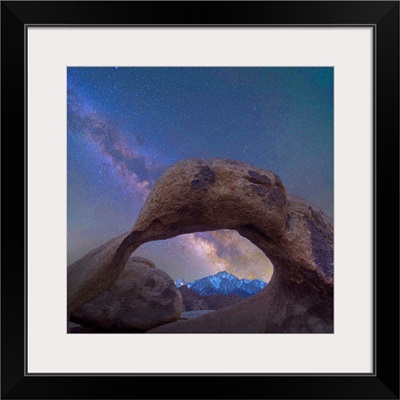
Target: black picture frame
{"type": "Point", "coordinates": [383, 383]}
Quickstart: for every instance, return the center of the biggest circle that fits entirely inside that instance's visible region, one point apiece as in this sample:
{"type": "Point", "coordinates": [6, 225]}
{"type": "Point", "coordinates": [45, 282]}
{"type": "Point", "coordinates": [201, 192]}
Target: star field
{"type": "Point", "coordinates": [126, 126]}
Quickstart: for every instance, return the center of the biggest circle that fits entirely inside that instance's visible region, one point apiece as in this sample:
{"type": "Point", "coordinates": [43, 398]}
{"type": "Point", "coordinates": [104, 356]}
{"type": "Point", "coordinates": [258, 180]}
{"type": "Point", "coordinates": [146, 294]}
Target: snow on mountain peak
{"type": "Point", "coordinates": [224, 283]}
{"type": "Point", "coordinates": [180, 282]}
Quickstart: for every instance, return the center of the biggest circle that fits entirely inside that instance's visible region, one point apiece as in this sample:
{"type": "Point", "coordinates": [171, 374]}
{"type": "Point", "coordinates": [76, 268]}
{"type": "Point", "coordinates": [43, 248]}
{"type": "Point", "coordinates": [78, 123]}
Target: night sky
{"type": "Point", "coordinates": [126, 126]}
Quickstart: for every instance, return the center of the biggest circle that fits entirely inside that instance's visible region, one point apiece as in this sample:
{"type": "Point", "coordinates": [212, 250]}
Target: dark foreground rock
{"type": "Point", "coordinates": [203, 195]}
{"type": "Point", "coordinates": [194, 314]}
{"type": "Point", "coordinates": [192, 301]}
{"type": "Point", "coordinates": [218, 301]}
{"type": "Point", "coordinates": [142, 298]}
{"type": "Point", "coordinates": [77, 328]}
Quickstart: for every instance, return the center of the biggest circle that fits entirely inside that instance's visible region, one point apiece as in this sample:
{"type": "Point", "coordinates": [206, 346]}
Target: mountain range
{"type": "Point", "coordinates": [224, 283]}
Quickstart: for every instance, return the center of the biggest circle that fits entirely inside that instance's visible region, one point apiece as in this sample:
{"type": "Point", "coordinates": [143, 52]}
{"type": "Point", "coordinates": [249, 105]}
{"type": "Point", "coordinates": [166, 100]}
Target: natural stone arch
{"type": "Point", "coordinates": [203, 195]}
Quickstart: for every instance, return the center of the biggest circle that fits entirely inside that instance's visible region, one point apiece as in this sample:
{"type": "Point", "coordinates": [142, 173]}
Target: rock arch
{"type": "Point", "coordinates": [203, 195]}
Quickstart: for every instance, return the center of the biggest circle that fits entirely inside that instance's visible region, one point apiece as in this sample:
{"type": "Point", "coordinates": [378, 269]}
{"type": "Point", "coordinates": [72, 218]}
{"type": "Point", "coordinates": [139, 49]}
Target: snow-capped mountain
{"type": "Point", "coordinates": [224, 283]}
{"type": "Point", "coordinates": [180, 282]}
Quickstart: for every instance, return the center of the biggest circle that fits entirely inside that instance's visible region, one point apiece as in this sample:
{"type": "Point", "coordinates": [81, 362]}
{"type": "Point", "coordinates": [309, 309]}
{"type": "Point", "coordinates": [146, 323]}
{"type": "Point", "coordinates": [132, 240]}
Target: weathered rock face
{"type": "Point", "coordinates": [194, 314]}
{"type": "Point", "coordinates": [192, 301]}
{"type": "Point", "coordinates": [202, 195]}
{"type": "Point", "coordinates": [140, 260]}
{"type": "Point", "coordinates": [142, 298]}
{"type": "Point", "coordinates": [218, 301]}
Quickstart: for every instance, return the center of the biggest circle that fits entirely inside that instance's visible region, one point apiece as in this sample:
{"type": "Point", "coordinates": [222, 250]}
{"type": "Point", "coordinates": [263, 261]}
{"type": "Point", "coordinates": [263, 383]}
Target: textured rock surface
{"type": "Point", "coordinates": [192, 301]}
{"type": "Point", "coordinates": [77, 328]}
{"type": "Point", "coordinates": [142, 298]}
{"type": "Point", "coordinates": [218, 301]}
{"type": "Point", "coordinates": [202, 195]}
{"type": "Point", "coordinates": [141, 260]}
{"type": "Point", "coordinates": [194, 314]}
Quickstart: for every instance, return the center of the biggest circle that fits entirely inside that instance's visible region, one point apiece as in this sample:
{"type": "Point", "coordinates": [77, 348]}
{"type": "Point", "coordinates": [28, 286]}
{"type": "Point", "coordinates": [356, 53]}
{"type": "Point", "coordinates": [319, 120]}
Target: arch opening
{"type": "Point", "coordinates": [196, 255]}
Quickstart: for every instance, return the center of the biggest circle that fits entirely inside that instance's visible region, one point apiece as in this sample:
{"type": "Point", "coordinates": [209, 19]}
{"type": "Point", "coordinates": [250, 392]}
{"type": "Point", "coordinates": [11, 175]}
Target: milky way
{"type": "Point", "coordinates": [126, 126]}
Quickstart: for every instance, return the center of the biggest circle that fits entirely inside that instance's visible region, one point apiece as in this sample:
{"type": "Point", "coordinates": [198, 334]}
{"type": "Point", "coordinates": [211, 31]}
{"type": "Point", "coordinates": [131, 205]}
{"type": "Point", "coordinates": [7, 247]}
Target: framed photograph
{"type": "Point", "coordinates": [210, 195]}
